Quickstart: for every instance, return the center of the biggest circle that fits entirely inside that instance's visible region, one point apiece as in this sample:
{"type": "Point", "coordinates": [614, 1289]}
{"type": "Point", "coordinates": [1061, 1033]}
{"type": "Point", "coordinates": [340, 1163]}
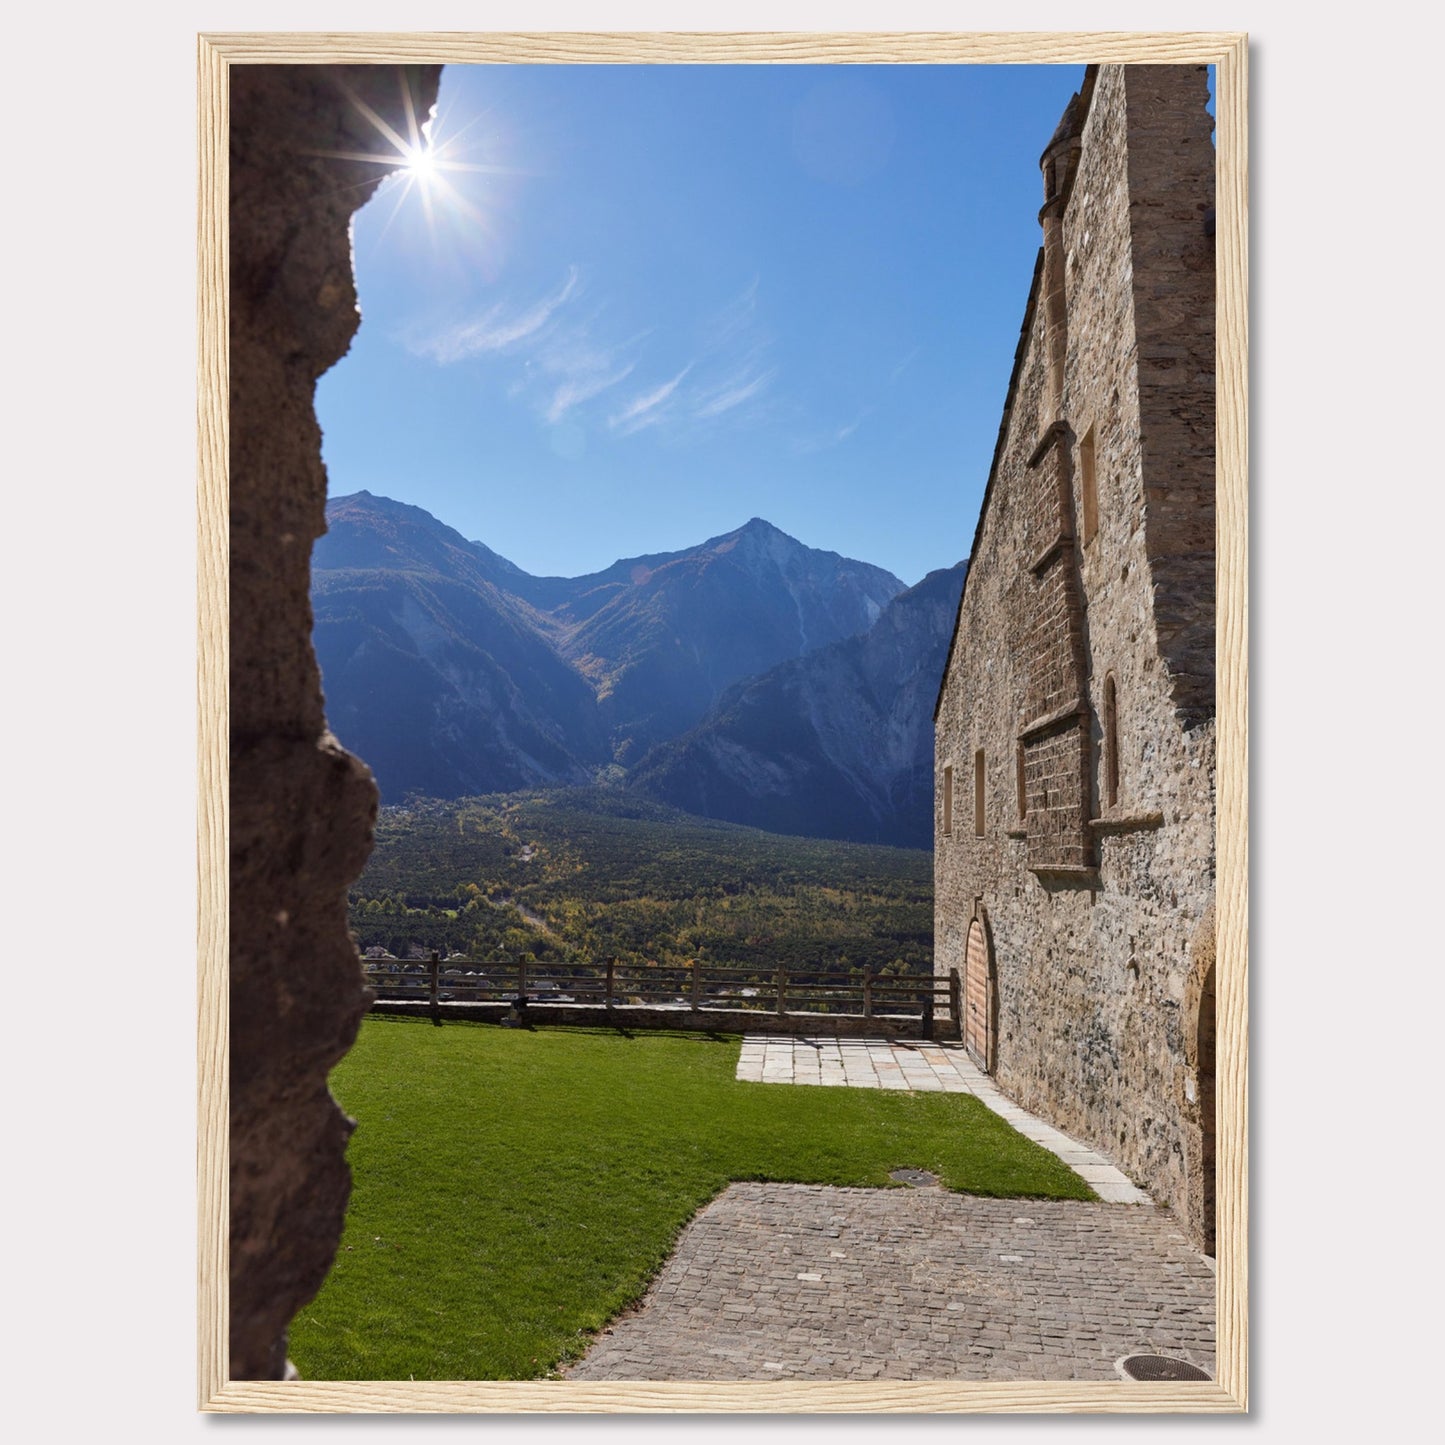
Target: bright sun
{"type": "Point", "coordinates": [421, 166]}
{"type": "Point", "coordinates": [420, 162]}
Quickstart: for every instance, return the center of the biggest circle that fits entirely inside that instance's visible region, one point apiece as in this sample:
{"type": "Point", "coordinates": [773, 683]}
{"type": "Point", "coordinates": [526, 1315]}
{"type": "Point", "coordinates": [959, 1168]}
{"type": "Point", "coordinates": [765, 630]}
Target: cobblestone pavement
{"type": "Point", "coordinates": [793, 1281]}
{"type": "Point", "coordinates": [935, 1067]}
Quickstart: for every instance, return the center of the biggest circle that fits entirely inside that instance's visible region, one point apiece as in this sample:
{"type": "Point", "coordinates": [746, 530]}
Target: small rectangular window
{"type": "Point", "coordinates": [947, 801]}
{"type": "Point", "coordinates": [978, 809]}
{"type": "Point", "coordinates": [1088, 490]}
{"type": "Point", "coordinates": [1111, 742]}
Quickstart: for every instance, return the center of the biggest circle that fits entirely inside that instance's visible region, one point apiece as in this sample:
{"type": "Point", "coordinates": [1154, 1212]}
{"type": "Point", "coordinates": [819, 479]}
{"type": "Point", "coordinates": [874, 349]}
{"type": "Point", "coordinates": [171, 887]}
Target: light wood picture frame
{"type": "Point", "coordinates": [1228, 1393]}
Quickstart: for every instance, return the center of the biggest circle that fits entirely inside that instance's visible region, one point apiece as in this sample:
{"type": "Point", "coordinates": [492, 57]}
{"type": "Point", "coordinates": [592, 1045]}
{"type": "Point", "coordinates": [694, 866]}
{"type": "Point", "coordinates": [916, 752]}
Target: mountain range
{"type": "Point", "coordinates": [749, 678]}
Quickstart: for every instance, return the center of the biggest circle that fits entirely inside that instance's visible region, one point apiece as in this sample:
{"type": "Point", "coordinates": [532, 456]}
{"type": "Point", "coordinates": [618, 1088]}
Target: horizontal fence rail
{"type": "Point", "coordinates": [931, 1001]}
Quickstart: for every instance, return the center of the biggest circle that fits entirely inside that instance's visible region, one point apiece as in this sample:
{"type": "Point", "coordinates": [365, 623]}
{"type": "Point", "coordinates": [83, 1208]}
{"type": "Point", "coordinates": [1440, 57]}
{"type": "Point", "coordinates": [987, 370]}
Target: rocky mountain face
{"type": "Point", "coordinates": [662, 637]}
{"type": "Point", "coordinates": [445, 683]}
{"type": "Point", "coordinates": [452, 671]}
{"type": "Point", "coordinates": [837, 743]}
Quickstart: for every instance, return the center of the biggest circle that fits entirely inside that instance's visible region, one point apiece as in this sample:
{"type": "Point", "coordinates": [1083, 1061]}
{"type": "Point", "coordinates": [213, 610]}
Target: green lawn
{"type": "Point", "coordinates": [514, 1190]}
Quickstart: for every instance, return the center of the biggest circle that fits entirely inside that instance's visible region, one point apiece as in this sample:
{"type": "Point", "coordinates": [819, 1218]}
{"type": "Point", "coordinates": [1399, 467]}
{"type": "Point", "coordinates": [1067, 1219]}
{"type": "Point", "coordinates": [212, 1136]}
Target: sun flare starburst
{"type": "Point", "coordinates": [419, 161]}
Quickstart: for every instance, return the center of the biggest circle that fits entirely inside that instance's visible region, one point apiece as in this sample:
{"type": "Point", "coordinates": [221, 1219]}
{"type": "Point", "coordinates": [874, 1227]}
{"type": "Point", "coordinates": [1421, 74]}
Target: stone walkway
{"type": "Point", "coordinates": [910, 1064]}
{"type": "Point", "coordinates": [793, 1281]}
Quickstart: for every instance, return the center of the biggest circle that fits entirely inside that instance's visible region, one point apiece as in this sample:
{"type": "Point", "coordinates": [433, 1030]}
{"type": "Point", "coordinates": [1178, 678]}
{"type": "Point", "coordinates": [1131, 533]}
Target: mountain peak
{"type": "Point", "coordinates": [759, 529]}
{"type": "Point", "coordinates": [756, 532]}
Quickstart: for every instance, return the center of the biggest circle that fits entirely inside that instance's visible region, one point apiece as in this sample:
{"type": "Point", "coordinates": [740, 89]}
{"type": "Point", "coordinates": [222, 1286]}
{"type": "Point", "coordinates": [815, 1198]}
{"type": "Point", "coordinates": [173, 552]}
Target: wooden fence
{"type": "Point", "coordinates": [700, 987]}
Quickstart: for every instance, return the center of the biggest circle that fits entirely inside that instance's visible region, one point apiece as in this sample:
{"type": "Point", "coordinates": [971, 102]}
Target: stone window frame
{"type": "Point", "coordinates": [948, 800]}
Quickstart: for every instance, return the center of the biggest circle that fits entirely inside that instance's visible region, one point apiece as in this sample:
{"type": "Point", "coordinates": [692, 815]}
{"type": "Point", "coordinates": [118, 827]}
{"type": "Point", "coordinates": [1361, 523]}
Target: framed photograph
{"type": "Point", "coordinates": [536, 886]}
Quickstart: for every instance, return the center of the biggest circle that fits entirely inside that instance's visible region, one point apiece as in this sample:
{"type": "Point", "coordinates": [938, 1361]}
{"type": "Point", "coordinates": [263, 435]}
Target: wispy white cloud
{"type": "Point", "coordinates": [734, 319]}
{"type": "Point", "coordinates": [734, 392]}
{"type": "Point", "coordinates": [582, 385]}
{"type": "Point", "coordinates": [497, 329]}
{"type": "Point", "coordinates": [549, 345]}
{"type": "Point", "coordinates": [649, 408]}
{"type": "Point", "coordinates": [825, 441]}
{"type": "Point", "coordinates": [557, 352]}
{"type": "Point", "coordinates": [577, 367]}
{"type": "Point", "coordinates": [903, 365]}
{"type": "Point", "coordinates": [735, 365]}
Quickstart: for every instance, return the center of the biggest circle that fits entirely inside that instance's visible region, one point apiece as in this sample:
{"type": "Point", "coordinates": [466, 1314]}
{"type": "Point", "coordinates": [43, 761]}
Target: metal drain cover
{"type": "Point", "coordinates": [1159, 1367]}
{"type": "Point", "coordinates": [919, 1178]}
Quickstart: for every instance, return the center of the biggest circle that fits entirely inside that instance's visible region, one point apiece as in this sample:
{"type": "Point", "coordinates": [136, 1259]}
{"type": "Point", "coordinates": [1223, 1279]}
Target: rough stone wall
{"type": "Point", "coordinates": [1096, 913]}
{"type": "Point", "coordinates": [301, 807]}
{"type": "Point", "coordinates": [1171, 189]}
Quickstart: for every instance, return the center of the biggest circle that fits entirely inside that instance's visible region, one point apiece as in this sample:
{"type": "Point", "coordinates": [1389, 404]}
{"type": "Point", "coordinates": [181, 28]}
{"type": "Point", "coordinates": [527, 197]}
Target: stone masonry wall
{"type": "Point", "coordinates": [1097, 969]}
{"type": "Point", "coordinates": [301, 807]}
{"type": "Point", "coordinates": [1171, 189]}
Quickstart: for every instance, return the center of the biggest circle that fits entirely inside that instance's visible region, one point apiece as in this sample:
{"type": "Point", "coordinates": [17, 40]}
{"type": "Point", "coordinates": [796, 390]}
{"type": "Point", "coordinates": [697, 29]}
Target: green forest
{"type": "Point", "coordinates": [580, 875]}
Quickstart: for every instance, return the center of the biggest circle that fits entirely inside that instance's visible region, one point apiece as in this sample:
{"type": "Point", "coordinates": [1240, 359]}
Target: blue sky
{"type": "Point", "coordinates": [671, 298]}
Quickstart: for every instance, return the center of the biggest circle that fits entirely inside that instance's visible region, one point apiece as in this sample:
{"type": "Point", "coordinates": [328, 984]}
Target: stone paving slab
{"type": "Point", "coordinates": [863, 1063]}
{"type": "Point", "coordinates": [814, 1282]}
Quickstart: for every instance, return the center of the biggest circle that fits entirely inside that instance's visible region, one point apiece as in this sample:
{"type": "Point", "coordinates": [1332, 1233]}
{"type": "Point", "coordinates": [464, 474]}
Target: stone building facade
{"type": "Point", "coordinates": [1075, 732]}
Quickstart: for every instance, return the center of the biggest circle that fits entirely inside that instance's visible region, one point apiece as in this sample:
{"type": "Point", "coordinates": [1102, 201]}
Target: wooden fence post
{"type": "Point", "coordinates": [436, 988]}
{"type": "Point", "coordinates": [782, 988]}
{"type": "Point", "coordinates": [522, 978]}
{"type": "Point", "coordinates": [611, 976]}
{"type": "Point", "coordinates": [696, 985]}
{"type": "Point", "coordinates": [868, 993]}
{"type": "Point", "coordinates": [955, 1001]}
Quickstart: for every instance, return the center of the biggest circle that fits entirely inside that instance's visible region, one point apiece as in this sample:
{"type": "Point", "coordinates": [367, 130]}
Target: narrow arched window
{"type": "Point", "coordinates": [1111, 742]}
{"type": "Point", "coordinates": [947, 801]}
{"type": "Point", "coordinates": [978, 810]}
{"type": "Point", "coordinates": [1088, 490]}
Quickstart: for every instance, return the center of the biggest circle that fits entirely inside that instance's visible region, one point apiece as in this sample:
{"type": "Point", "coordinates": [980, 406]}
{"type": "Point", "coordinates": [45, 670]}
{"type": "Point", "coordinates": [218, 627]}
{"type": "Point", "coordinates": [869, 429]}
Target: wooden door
{"type": "Point", "coordinates": [977, 999]}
